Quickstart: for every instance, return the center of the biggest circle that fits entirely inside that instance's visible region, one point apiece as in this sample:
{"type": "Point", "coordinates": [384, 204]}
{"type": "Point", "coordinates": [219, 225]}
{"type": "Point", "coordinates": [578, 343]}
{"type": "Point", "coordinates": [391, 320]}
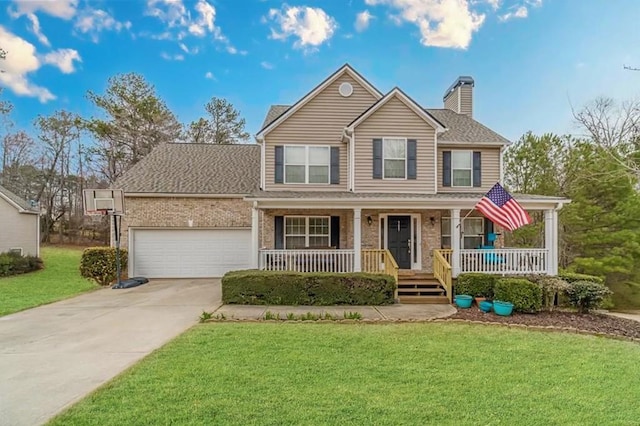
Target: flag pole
{"type": "Point", "coordinates": [466, 216]}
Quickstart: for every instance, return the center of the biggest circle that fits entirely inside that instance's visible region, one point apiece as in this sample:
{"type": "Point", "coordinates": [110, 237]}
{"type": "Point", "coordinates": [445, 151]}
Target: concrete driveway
{"type": "Point", "coordinates": [54, 355]}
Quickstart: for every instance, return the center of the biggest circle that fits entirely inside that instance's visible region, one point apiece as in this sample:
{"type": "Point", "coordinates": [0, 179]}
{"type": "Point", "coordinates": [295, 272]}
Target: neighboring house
{"type": "Point", "coordinates": [19, 225]}
{"type": "Point", "coordinates": [342, 180]}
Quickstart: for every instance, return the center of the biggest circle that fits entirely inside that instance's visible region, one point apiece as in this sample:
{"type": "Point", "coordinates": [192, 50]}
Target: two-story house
{"type": "Point", "coordinates": [345, 179]}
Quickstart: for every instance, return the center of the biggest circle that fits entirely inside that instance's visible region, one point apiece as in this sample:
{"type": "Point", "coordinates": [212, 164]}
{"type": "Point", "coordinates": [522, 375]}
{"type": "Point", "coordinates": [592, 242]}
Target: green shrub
{"type": "Point", "coordinates": [525, 295]}
{"type": "Point", "coordinates": [586, 295]}
{"type": "Point", "coordinates": [553, 289]}
{"type": "Point", "coordinates": [14, 264]}
{"type": "Point", "coordinates": [99, 263]}
{"type": "Point", "coordinates": [571, 277]}
{"type": "Point", "coordinates": [252, 287]}
{"type": "Point", "coordinates": [476, 285]}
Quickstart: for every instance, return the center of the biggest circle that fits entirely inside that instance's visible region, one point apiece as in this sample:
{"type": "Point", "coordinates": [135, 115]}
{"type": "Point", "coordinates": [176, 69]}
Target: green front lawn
{"type": "Point", "coordinates": [435, 373]}
{"type": "Point", "coordinates": [59, 279]}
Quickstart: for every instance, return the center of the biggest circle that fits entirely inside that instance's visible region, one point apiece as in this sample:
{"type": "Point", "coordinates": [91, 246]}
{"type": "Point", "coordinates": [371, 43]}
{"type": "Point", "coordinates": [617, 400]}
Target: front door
{"type": "Point", "coordinates": [399, 239]}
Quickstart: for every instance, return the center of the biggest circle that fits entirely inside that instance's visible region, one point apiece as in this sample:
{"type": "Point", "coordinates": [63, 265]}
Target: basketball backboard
{"type": "Point", "coordinates": [103, 201]}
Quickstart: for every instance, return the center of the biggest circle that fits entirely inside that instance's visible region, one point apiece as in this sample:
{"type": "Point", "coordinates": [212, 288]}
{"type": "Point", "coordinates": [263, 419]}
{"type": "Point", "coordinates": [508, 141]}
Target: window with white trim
{"type": "Point", "coordinates": [472, 232]}
{"type": "Point", "coordinates": [307, 231]}
{"type": "Point", "coordinates": [462, 168]}
{"type": "Point", "coordinates": [306, 164]}
{"type": "Point", "coordinates": [394, 156]}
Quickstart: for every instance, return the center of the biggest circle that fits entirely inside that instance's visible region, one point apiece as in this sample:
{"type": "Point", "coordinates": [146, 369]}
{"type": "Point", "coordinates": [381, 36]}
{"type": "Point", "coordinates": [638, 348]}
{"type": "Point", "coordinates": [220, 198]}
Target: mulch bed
{"type": "Point", "coordinates": [593, 323]}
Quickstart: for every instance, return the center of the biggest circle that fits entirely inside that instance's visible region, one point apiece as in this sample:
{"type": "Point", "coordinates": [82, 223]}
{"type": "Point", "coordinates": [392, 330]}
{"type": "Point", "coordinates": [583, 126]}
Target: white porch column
{"type": "Point", "coordinates": [551, 240]}
{"type": "Point", "coordinates": [455, 242]}
{"type": "Point", "coordinates": [357, 240]}
{"type": "Point", "coordinates": [255, 241]}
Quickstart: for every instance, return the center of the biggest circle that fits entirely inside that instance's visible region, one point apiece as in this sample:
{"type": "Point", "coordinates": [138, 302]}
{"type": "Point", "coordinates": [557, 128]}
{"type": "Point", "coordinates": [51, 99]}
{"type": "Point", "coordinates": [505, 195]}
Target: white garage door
{"type": "Point", "coordinates": [189, 253]}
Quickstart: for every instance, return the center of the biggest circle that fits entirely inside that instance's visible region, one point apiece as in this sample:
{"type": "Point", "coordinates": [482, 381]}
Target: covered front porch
{"type": "Point", "coordinates": [407, 237]}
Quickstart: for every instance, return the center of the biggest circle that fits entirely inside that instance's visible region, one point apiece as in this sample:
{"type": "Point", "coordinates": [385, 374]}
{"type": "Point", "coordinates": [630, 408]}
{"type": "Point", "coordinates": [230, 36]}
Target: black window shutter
{"type": "Point", "coordinates": [279, 231]}
{"type": "Point", "coordinates": [488, 229]}
{"type": "Point", "coordinates": [335, 232]}
{"type": "Point", "coordinates": [377, 158]}
{"type": "Point", "coordinates": [412, 148]}
{"type": "Point", "coordinates": [335, 165]}
{"type": "Point", "coordinates": [279, 172]}
{"type": "Point", "coordinates": [446, 168]}
{"type": "Point", "coordinates": [477, 169]}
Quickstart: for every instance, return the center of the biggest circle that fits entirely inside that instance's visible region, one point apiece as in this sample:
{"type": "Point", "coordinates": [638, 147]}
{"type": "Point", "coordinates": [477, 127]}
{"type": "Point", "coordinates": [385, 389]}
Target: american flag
{"type": "Point", "coordinates": [501, 208]}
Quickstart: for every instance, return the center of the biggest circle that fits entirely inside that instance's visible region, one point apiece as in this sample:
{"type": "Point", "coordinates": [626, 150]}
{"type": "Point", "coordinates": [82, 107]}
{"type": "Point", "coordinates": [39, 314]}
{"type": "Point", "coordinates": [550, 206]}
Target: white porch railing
{"type": "Point", "coordinates": [307, 260]}
{"type": "Point", "coordinates": [513, 261]}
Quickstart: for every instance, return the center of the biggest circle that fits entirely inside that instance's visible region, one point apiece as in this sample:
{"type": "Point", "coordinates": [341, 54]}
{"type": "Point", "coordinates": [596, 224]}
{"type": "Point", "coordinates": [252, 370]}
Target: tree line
{"type": "Point", "coordinates": [64, 153]}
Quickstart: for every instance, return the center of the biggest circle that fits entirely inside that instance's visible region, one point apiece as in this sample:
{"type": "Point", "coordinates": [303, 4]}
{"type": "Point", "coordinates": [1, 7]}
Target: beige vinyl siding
{"type": "Point", "coordinates": [18, 230]}
{"type": "Point", "coordinates": [490, 159]}
{"type": "Point", "coordinates": [394, 119]}
{"type": "Point", "coordinates": [319, 122]}
{"type": "Point", "coordinates": [466, 99]}
{"type": "Point", "coordinates": [452, 101]}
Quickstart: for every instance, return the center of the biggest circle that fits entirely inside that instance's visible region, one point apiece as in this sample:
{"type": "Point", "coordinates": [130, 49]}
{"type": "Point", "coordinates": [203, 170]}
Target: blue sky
{"type": "Point", "coordinates": [531, 59]}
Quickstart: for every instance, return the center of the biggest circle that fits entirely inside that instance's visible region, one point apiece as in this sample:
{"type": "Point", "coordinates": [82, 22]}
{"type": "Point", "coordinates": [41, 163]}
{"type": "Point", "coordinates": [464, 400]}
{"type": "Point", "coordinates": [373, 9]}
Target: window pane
{"type": "Point", "coordinates": [446, 242]}
{"type": "Point", "coordinates": [318, 241]}
{"type": "Point", "coordinates": [318, 226]}
{"type": "Point", "coordinates": [473, 226]}
{"type": "Point", "coordinates": [294, 174]}
{"type": "Point", "coordinates": [294, 242]}
{"type": "Point", "coordinates": [394, 148]}
{"type": "Point", "coordinates": [460, 160]}
{"type": "Point", "coordinates": [445, 228]}
{"type": "Point", "coordinates": [472, 242]}
{"type": "Point", "coordinates": [294, 154]}
{"type": "Point", "coordinates": [318, 174]}
{"type": "Point", "coordinates": [295, 226]}
{"type": "Point", "coordinates": [394, 168]}
{"type": "Point", "coordinates": [319, 156]}
{"type": "Point", "coordinates": [462, 178]}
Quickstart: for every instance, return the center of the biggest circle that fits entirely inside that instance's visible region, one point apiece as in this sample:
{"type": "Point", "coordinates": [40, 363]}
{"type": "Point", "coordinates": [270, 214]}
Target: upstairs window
{"type": "Point", "coordinates": [394, 158]}
{"type": "Point", "coordinates": [462, 168]}
{"type": "Point", "coordinates": [306, 164]}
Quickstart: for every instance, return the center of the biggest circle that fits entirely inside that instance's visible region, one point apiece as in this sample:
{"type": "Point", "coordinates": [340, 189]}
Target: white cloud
{"type": "Point", "coordinates": [267, 65]}
{"type": "Point", "coordinates": [94, 21]}
{"type": "Point", "coordinates": [64, 9]}
{"type": "Point", "coordinates": [205, 22]}
{"type": "Point", "coordinates": [63, 59]}
{"type": "Point", "coordinates": [36, 30]}
{"type": "Point", "coordinates": [495, 4]}
{"type": "Point", "coordinates": [209, 75]}
{"type": "Point", "coordinates": [21, 60]}
{"type": "Point", "coordinates": [521, 12]}
{"type": "Point", "coordinates": [362, 20]}
{"type": "Point", "coordinates": [171, 12]}
{"type": "Point", "coordinates": [442, 23]}
{"type": "Point", "coordinates": [310, 25]}
{"type": "Point", "coordinates": [168, 57]}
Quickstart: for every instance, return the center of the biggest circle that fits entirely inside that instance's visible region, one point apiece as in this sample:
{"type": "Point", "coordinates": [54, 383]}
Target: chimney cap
{"type": "Point", "coordinates": [463, 79]}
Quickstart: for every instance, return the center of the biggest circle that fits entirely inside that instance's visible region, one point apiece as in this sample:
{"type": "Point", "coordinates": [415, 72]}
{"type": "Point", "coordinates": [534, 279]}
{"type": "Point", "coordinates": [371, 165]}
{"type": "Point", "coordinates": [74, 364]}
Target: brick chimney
{"type": "Point", "coordinates": [459, 96]}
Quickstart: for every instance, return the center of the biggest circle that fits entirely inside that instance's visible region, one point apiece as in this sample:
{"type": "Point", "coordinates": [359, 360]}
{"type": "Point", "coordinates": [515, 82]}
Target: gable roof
{"type": "Point", "coordinates": [275, 111]}
{"type": "Point", "coordinates": [18, 202]}
{"type": "Point", "coordinates": [396, 92]}
{"type": "Point", "coordinates": [312, 94]}
{"type": "Point", "coordinates": [462, 128]}
{"type": "Point", "coordinates": [190, 168]}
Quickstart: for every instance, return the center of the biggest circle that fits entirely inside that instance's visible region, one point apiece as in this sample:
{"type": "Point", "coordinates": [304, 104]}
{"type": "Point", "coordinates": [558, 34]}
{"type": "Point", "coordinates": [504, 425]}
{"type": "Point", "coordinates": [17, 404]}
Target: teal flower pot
{"type": "Point", "coordinates": [463, 301]}
{"type": "Point", "coordinates": [485, 306]}
{"type": "Point", "coordinates": [502, 308]}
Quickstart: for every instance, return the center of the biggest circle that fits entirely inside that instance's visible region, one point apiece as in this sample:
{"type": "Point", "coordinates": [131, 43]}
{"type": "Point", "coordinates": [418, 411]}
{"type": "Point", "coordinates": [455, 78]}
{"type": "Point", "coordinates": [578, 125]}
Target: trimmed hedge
{"type": "Point", "coordinates": [14, 264]}
{"type": "Point", "coordinates": [525, 295]}
{"type": "Point", "coordinates": [253, 287]}
{"type": "Point", "coordinates": [586, 295]}
{"type": "Point", "coordinates": [99, 263]}
{"type": "Point", "coordinates": [476, 285]}
{"type": "Point", "coordinates": [571, 277]}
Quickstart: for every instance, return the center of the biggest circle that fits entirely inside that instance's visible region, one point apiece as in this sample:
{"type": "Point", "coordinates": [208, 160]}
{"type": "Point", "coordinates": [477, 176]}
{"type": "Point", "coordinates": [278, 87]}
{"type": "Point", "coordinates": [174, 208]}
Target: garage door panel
{"type": "Point", "coordinates": [189, 253]}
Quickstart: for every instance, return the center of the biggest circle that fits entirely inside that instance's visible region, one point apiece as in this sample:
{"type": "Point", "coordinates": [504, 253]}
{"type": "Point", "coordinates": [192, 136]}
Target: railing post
{"type": "Point", "coordinates": [357, 240]}
{"type": "Point", "coordinates": [551, 240]}
{"type": "Point", "coordinates": [455, 242]}
{"type": "Point", "coordinates": [255, 223]}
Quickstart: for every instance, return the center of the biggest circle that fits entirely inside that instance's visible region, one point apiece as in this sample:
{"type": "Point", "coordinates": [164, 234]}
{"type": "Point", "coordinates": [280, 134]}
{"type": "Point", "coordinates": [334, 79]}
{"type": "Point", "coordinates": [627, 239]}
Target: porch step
{"type": "Point", "coordinates": [424, 300]}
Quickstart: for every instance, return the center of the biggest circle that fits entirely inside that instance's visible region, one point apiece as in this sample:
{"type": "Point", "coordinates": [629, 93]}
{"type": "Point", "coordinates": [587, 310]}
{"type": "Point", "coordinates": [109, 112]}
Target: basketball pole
{"type": "Point", "coordinates": [117, 237]}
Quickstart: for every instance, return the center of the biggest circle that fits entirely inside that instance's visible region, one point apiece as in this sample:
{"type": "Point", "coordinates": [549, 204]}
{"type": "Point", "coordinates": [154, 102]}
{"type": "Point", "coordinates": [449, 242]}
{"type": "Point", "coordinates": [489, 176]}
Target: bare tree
{"type": "Point", "coordinates": [614, 127]}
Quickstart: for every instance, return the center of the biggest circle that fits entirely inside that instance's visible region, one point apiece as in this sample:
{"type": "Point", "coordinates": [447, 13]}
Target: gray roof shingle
{"type": "Point", "coordinates": [24, 205]}
{"type": "Point", "coordinates": [188, 168]}
{"type": "Point", "coordinates": [461, 128]}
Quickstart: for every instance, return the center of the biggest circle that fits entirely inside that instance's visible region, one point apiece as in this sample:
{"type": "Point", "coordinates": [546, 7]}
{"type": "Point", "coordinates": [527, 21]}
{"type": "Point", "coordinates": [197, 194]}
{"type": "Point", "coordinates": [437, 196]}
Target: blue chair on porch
{"type": "Point", "coordinates": [492, 258]}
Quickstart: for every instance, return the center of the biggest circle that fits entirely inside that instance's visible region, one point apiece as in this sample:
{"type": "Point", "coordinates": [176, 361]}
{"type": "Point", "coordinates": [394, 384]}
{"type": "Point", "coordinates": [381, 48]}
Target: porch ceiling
{"type": "Point", "coordinates": [342, 200]}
